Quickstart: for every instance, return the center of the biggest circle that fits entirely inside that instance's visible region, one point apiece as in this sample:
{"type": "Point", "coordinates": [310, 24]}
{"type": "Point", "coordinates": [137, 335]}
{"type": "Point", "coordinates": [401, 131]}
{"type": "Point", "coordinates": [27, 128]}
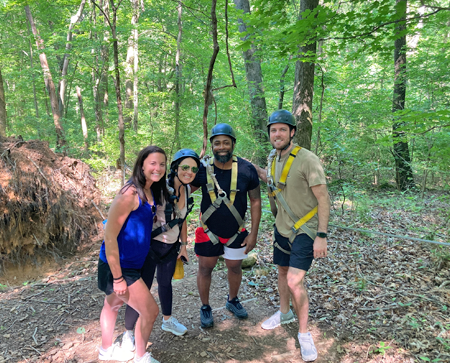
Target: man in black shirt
{"type": "Point", "coordinates": [223, 212]}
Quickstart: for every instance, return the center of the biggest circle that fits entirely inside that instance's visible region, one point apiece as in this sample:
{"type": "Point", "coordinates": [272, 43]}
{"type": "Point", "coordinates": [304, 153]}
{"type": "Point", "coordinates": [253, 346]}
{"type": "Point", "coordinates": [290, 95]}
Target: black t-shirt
{"type": "Point", "coordinates": [222, 223]}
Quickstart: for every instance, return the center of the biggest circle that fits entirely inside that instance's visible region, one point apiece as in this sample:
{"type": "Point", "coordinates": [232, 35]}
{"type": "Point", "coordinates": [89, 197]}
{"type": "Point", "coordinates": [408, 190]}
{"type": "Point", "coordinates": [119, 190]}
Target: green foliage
{"type": "Point", "coordinates": [382, 348]}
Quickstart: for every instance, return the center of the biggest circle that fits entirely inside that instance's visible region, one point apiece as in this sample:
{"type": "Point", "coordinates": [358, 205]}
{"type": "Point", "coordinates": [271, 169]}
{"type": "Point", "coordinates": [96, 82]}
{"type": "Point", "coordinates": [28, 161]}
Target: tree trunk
{"type": "Point", "coordinates": [36, 107]}
{"type": "Point", "coordinates": [103, 95]}
{"type": "Point", "coordinates": [209, 78]}
{"type": "Point", "coordinates": [2, 107]}
{"type": "Point", "coordinates": [304, 85]}
{"type": "Point", "coordinates": [131, 70]}
{"type": "Point", "coordinates": [117, 87]}
{"type": "Point", "coordinates": [96, 74]}
{"type": "Point", "coordinates": [403, 171]}
{"type": "Point", "coordinates": [254, 81]}
{"type": "Point", "coordinates": [83, 122]}
{"type": "Point", "coordinates": [60, 140]}
{"type": "Point", "coordinates": [176, 140]}
{"type": "Point", "coordinates": [63, 82]}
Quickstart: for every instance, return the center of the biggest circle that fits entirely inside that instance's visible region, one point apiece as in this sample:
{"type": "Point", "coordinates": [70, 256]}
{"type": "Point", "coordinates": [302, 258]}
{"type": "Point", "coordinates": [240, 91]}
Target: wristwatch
{"type": "Point", "coordinates": [184, 243]}
{"type": "Point", "coordinates": [321, 234]}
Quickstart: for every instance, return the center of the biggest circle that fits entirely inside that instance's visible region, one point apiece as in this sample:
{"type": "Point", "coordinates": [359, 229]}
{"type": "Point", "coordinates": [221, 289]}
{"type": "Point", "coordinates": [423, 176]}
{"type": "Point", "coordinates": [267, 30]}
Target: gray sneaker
{"type": "Point", "coordinates": [277, 319]}
{"type": "Point", "coordinates": [146, 358]}
{"type": "Point", "coordinates": [307, 347]}
{"type": "Point", "coordinates": [115, 352]}
{"type": "Point", "coordinates": [128, 341]}
{"type": "Point", "coordinates": [172, 325]}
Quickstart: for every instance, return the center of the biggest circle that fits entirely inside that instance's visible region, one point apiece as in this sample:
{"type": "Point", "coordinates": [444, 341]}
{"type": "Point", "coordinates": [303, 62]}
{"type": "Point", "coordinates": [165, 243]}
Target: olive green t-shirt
{"type": "Point", "coordinates": [306, 171]}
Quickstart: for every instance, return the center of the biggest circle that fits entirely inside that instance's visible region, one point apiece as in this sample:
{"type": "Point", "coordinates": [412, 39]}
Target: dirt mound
{"type": "Point", "coordinates": [48, 201]}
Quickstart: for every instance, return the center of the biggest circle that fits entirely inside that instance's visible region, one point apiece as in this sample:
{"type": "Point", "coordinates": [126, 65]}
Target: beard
{"type": "Point", "coordinates": [283, 146]}
{"type": "Point", "coordinates": [223, 158]}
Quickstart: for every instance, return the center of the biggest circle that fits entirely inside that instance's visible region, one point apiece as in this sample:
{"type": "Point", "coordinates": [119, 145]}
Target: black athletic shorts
{"type": "Point", "coordinates": [105, 277]}
{"type": "Point", "coordinates": [302, 253]}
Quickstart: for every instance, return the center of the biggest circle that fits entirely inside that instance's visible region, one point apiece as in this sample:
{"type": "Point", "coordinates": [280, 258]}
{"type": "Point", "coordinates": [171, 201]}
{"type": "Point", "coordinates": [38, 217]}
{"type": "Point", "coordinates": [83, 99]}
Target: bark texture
{"type": "Point", "coordinates": [176, 140]}
{"type": "Point", "coordinates": [60, 140]}
{"type": "Point", "coordinates": [131, 68]}
{"type": "Point", "coordinates": [209, 78]}
{"type": "Point", "coordinates": [2, 107]}
{"type": "Point", "coordinates": [254, 80]}
{"type": "Point", "coordinates": [63, 83]}
{"type": "Point", "coordinates": [304, 86]}
{"type": "Point", "coordinates": [403, 171]}
{"type": "Point", "coordinates": [83, 122]}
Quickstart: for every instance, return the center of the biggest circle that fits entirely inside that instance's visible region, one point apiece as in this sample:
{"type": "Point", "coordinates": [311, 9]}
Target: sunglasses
{"type": "Point", "coordinates": [187, 167]}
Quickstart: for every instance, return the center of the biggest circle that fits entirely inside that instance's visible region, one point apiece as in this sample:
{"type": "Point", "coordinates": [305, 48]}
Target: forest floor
{"type": "Point", "coordinates": [373, 299]}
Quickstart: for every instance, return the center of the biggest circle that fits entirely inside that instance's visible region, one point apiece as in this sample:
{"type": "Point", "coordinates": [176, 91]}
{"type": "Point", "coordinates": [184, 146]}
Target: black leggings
{"type": "Point", "coordinates": [164, 275]}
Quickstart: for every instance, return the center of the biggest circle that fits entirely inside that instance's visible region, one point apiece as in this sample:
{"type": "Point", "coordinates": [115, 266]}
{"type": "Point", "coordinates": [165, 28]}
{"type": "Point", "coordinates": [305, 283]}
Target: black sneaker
{"type": "Point", "coordinates": [206, 317]}
{"type": "Point", "coordinates": [237, 309]}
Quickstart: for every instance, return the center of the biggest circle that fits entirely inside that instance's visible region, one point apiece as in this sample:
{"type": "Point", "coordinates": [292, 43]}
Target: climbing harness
{"type": "Point", "coordinates": [221, 197]}
{"type": "Point", "coordinates": [275, 194]}
{"type": "Point", "coordinates": [169, 211]}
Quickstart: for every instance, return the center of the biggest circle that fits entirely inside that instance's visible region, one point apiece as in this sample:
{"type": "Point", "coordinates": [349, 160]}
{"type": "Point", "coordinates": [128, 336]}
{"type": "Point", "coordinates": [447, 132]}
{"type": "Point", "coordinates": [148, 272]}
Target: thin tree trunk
{"type": "Point", "coordinates": [304, 86]}
{"type": "Point", "coordinates": [131, 68]}
{"type": "Point", "coordinates": [281, 97]}
{"type": "Point", "coordinates": [63, 82]}
{"type": "Point", "coordinates": [103, 94]}
{"type": "Point", "coordinates": [403, 171]}
{"type": "Point", "coordinates": [96, 75]}
{"type": "Point", "coordinates": [207, 90]}
{"type": "Point", "coordinates": [83, 122]}
{"type": "Point", "coordinates": [254, 80]}
{"type": "Point", "coordinates": [36, 107]}
{"type": "Point", "coordinates": [60, 140]}
{"type": "Point", "coordinates": [178, 79]}
{"type": "Point", "coordinates": [2, 107]}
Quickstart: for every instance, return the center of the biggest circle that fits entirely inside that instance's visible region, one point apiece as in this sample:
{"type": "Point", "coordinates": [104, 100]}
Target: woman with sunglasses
{"type": "Point", "coordinates": [169, 241]}
{"type": "Point", "coordinates": [122, 254]}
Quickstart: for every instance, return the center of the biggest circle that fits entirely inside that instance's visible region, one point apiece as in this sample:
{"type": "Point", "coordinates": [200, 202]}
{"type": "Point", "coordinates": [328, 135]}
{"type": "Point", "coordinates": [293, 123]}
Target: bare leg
{"type": "Point", "coordinates": [108, 318]}
{"type": "Point", "coordinates": [234, 277]}
{"type": "Point", "coordinates": [205, 267]}
{"type": "Point", "coordinates": [283, 289]}
{"type": "Point", "coordinates": [140, 299]}
{"type": "Point", "coordinates": [295, 279]}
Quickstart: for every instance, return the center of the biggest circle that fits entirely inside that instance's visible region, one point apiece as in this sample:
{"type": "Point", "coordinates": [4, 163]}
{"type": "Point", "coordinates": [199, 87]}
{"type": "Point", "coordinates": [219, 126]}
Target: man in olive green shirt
{"type": "Point", "coordinates": [304, 190]}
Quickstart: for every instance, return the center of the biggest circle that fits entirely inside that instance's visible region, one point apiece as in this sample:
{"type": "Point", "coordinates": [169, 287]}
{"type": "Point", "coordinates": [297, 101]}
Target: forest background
{"type": "Point", "coordinates": [367, 81]}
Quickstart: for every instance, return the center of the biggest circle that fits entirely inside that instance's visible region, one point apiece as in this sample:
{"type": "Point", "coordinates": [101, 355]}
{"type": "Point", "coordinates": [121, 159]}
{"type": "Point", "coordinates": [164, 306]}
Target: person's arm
{"type": "Point", "coordinates": [323, 212]}
{"type": "Point", "coordinates": [183, 239]}
{"type": "Point", "coordinates": [255, 211]}
{"type": "Point", "coordinates": [121, 207]}
{"type": "Point", "coordinates": [262, 173]}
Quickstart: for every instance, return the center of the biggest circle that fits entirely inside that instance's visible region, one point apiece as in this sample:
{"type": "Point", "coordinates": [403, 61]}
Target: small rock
{"type": "Point", "coordinates": [203, 354]}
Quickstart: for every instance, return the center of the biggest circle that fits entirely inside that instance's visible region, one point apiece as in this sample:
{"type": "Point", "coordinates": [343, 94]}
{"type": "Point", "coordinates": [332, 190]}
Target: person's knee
{"type": "Point", "coordinates": [205, 270]}
{"type": "Point", "coordinates": [235, 269]}
{"type": "Point", "coordinates": [149, 313]}
{"type": "Point", "coordinates": [113, 303]}
{"type": "Point", "coordinates": [283, 271]}
{"type": "Point", "coordinates": [295, 282]}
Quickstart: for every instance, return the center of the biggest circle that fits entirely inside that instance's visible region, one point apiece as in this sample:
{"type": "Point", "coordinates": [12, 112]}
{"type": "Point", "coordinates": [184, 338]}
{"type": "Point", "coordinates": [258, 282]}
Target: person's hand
{"type": "Point", "coordinates": [120, 287]}
{"type": "Point", "coordinates": [320, 247]}
{"type": "Point", "coordinates": [183, 252]}
{"type": "Point", "coordinates": [249, 242]}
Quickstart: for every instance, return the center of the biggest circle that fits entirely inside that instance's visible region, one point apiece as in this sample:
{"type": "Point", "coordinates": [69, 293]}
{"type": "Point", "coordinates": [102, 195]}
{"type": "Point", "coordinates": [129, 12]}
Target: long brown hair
{"type": "Point", "coordinates": [138, 180]}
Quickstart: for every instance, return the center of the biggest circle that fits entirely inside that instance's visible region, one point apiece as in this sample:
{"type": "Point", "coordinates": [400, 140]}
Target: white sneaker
{"type": "Point", "coordinates": [128, 341]}
{"type": "Point", "coordinates": [277, 319]}
{"type": "Point", "coordinates": [115, 352]}
{"type": "Point", "coordinates": [172, 325]}
{"type": "Point", "coordinates": [307, 347]}
{"type": "Point", "coordinates": [146, 358]}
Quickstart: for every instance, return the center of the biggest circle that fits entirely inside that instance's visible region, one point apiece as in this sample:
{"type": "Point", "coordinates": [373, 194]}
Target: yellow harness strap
{"type": "Point", "coordinates": [284, 174]}
{"type": "Point", "coordinates": [233, 189]}
{"type": "Point", "coordinates": [281, 184]}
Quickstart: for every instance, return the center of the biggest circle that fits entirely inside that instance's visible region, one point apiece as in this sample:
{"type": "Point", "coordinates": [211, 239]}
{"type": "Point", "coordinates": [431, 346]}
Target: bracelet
{"type": "Point", "coordinates": [118, 278]}
{"type": "Point", "coordinates": [184, 243]}
{"type": "Point", "coordinates": [117, 281]}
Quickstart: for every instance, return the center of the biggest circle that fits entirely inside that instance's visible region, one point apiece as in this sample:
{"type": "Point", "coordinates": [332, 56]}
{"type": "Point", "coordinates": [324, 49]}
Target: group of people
{"type": "Point", "coordinates": [146, 232]}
